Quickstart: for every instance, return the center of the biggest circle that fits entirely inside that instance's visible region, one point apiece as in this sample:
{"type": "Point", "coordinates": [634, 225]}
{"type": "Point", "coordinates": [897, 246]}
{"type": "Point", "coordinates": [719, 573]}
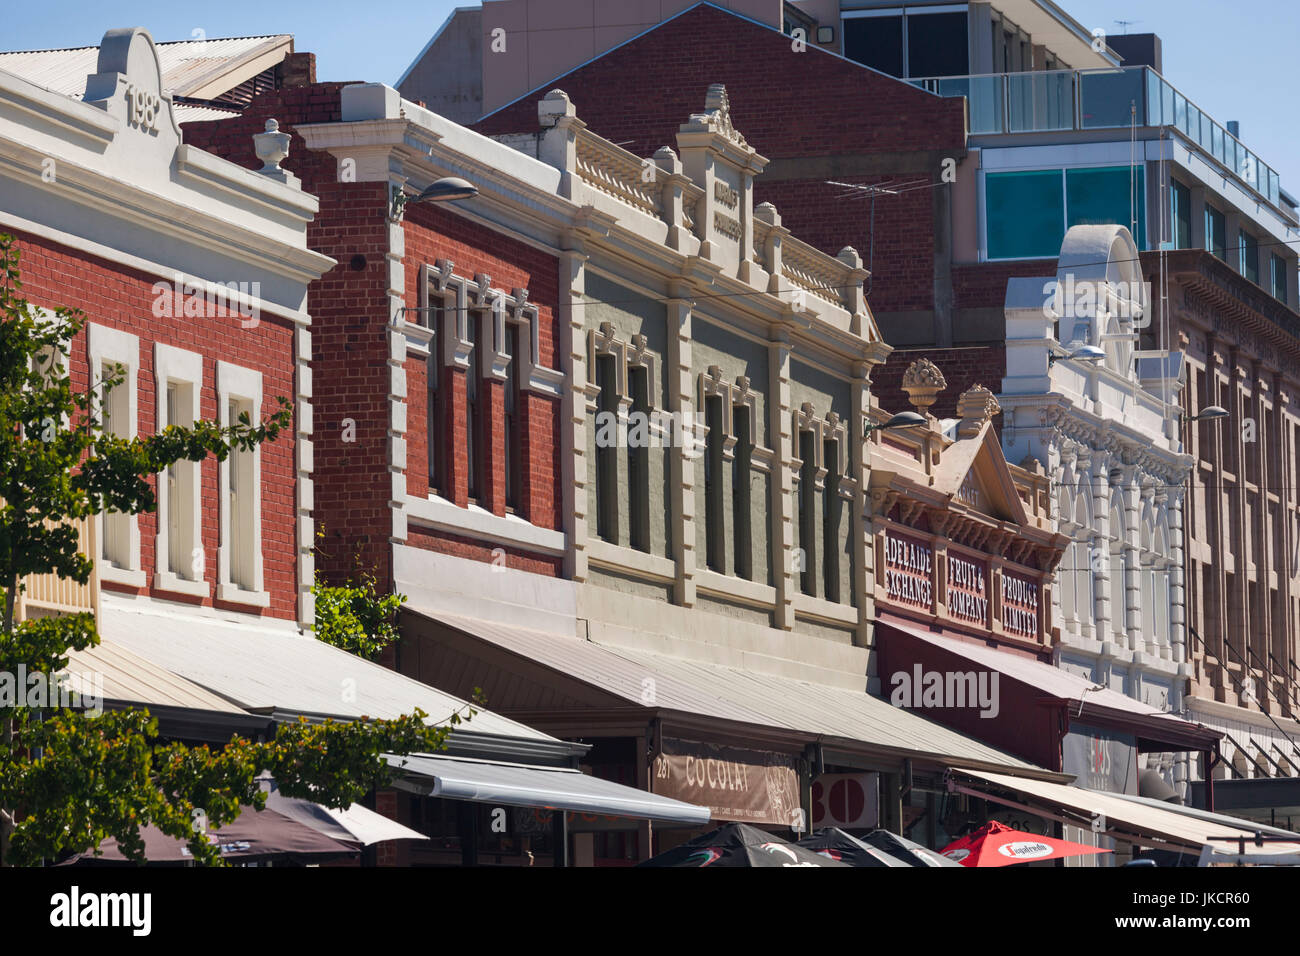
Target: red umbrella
{"type": "Point", "coordinates": [996, 844]}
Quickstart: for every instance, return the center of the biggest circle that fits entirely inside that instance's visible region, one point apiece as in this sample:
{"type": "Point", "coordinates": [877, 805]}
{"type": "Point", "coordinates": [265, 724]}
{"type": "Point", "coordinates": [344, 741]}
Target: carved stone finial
{"type": "Point", "coordinates": [923, 382]}
{"type": "Point", "coordinates": [717, 115]}
{"type": "Point", "coordinates": [553, 106]}
{"type": "Point", "coordinates": [976, 406]}
{"type": "Point", "coordinates": [271, 147]}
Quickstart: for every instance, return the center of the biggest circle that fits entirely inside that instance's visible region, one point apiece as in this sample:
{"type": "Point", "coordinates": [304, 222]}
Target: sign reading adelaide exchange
{"type": "Point", "coordinates": [748, 786]}
{"type": "Point", "coordinates": [909, 571]}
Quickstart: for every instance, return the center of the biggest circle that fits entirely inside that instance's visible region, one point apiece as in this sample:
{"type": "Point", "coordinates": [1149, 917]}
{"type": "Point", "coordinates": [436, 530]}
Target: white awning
{"type": "Point", "coordinates": [1126, 820]}
{"type": "Point", "coordinates": [354, 824]}
{"type": "Point", "coordinates": [275, 670]}
{"type": "Point", "coordinates": [551, 788]}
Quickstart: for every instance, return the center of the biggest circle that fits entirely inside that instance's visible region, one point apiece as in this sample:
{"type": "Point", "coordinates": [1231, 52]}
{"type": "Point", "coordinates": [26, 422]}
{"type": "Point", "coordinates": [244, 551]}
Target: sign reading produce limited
{"type": "Point", "coordinates": [749, 786]}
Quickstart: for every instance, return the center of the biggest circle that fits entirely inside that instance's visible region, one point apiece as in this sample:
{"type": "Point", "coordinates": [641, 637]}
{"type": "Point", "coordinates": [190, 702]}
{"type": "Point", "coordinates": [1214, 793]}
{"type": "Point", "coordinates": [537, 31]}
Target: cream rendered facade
{"type": "Point", "coordinates": [1110, 433]}
{"type": "Point", "coordinates": [692, 299]}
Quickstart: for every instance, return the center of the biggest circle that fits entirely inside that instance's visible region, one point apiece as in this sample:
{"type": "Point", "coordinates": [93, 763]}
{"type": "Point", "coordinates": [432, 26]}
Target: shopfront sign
{"type": "Point", "coordinates": [909, 571]}
{"type": "Point", "coordinates": [1100, 759]}
{"type": "Point", "coordinates": [1020, 605]}
{"type": "Point", "coordinates": [736, 784]}
{"type": "Point", "coordinates": [848, 800]}
{"type": "Point", "coordinates": [968, 592]}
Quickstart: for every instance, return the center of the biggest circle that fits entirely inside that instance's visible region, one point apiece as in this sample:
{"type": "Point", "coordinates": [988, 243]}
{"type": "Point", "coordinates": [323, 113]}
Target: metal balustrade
{"type": "Point", "coordinates": [1064, 100]}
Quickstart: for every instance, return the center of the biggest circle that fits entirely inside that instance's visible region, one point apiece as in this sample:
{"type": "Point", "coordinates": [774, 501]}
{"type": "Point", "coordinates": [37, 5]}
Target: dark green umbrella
{"type": "Point", "coordinates": [835, 844]}
{"type": "Point", "coordinates": [738, 844]}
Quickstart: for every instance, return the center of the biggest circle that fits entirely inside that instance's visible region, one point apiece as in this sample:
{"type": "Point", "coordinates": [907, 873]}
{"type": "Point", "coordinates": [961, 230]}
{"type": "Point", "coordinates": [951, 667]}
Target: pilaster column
{"type": "Point", "coordinates": [1100, 554]}
{"type": "Point", "coordinates": [1131, 495]}
{"type": "Point", "coordinates": [780, 423]}
{"type": "Point", "coordinates": [574, 452]}
{"type": "Point", "coordinates": [682, 457]}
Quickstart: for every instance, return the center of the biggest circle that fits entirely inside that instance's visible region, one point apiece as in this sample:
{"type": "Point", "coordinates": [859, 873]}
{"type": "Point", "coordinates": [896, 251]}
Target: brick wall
{"type": "Point", "coordinates": [122, 298]}
{"type": "Point", "coordinates": [349, 308]}
{"type": "Point", "coordinates": [961, 367]}
{"type": "Point", "coordinates": [812, 106]}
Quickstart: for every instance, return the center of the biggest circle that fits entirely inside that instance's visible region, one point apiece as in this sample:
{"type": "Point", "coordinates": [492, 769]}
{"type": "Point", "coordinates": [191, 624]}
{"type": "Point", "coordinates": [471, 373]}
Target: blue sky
{"type": "Point", "coordinates": [1234, 60]}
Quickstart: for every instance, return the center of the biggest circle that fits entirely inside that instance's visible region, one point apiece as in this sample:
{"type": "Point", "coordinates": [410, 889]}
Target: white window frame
{"type": "Point", "coordinates": [181, 367]}
{"type": "Point", "coordinates": [105, 345]}
{"type": "Point", "coordinates": [240, 384]}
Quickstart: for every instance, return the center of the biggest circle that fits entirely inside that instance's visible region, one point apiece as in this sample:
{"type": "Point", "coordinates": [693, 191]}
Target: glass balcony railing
{"type": "Point", "coordinates": [1056, 100]}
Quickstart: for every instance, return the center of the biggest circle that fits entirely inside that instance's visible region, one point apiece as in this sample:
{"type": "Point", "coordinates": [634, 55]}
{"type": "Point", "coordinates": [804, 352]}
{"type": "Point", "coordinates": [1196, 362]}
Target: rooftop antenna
{"type": "Point", "coordinates": [1125, 24]}
{"type": "Point", "coordinates": [873, 192]}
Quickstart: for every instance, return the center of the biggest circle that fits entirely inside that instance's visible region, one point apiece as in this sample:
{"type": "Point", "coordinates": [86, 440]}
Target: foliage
{"type": "Point", "coordinates": [355, 616]}
{"type": "Point", "coordinates": [68, 779]}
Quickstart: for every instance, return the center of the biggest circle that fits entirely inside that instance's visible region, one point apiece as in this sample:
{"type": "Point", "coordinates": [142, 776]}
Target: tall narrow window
{"type": "Point", "coordinates": [1277, 277]}
{"type": "Point", "coordinates": [179, 566]}
{"type": "Point", "coordinates": [741, 500]}
{"type": "Point", "coordinates": [434, 437]}
{"type": "Point", "coordinates": [1248, 247]}
{"type": "Point", "coordinates": [513, 455]}
{"type": "Point", "coordinates": [807, 512]}
{"type": "Point", "coordinates": [473, 435]}
{"type": "Point", "coordinates": [114, 420]}
{"type": "Point", "coordinates": [1216, 240]}
{"type": "Point", "coordinates": [832, 509]}
{"type": "Point", "coordinates": [638, 459]}
{"type": "Point", "coordinates": [239, 397]}
{"type": "Point", "coordinates": [241, 493]}
{"type": "Point", "coordinates": [1180, 198]}
{"type": "Point", "coordinates": [715, 531]}
{"type": "Point", "coordinates": [606, 450]}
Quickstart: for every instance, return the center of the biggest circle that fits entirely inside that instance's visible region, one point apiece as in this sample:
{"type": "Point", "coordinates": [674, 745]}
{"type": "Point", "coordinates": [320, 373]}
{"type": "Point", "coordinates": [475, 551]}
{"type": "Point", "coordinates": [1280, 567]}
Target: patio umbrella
{"type": "Point", "coordinates": [356, 824]}
{"type": "Point", "coordinates": [738, 844]}
{"type": "Point", "coordinates": [835, 844]}
{"type": "Point", "coordinates": [908, 851]}
{"type": "Point", "coordinates": [996, 844]}
{"type": "Point", "coordinates": [252, 837]}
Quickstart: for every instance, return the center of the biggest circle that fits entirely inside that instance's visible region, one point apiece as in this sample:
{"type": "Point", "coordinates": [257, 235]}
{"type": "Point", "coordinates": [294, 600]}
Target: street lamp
{"type": "Point", "coordinates": [901, 420]}
{"type": "Point", "coordinates": [1214, 413]}
{"type": "Point", "coordinates": [1086, 353]}
{"type": "Point", "coordinates": [447, 189]}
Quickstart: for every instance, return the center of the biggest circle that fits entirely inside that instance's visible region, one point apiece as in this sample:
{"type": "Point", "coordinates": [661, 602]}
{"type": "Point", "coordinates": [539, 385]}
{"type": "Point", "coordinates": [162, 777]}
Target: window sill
{"type": "Point", "coordinates": [735, 588]}
{"type": "Point", "coordinates": [475, 522]}
{"type": "Point", "coordinates": [115, 575]}
{"type": "Point", "coordinates": [234, 594]}
{"type": "Point", "coordinates": [167, 581]}
{"type": "Point", "coordinates": [813, 607]}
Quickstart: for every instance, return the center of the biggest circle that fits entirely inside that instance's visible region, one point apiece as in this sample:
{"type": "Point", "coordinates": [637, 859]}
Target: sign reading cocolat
{"type": "Point", "coordinates": [909, 571]}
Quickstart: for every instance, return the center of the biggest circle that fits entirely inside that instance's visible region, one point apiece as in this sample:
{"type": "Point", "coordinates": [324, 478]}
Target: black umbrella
{"type": "Point", "coordinates": [835, 844]}
{"type": "Point", "coordinates": [906, 850]}
{"type": "Point", "coordinates": [738, 844]}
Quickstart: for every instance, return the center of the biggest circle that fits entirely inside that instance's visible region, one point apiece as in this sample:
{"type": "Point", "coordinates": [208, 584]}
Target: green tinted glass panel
{"type": "Point", "coordinates": [1103, 196]}
{"type": "Point", "coordinates": [1025, 214]}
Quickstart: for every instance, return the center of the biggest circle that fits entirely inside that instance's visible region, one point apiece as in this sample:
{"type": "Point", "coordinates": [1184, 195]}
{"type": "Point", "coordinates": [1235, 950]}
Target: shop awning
{"type": "Point", "coordinates": [1125, 819]}
{"type": "Point", "coordinates": [903, 643]}
{"type": "Point", "coordinates": [275, 671]}
{"type": "Point", "coordinates": [527, 672]}
{"type": "Point", "coordinates": [122, 679]}
{"type": "Point", "coordinates": [544, 787]}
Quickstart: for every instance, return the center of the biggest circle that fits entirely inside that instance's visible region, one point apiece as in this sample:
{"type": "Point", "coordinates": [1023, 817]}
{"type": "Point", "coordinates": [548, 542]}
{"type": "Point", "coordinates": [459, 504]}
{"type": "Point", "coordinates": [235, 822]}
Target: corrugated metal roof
{"type": "Point", "coordinates": [731, 694]}
{"type": "Point", "coordinates": [186, 64]}
{"type": "Point", "coordinates": [1053, 680]}
{"type": "Point", "coordinates": [260, 668]}
{"type": "Point", "coordinates": [129, 677]}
